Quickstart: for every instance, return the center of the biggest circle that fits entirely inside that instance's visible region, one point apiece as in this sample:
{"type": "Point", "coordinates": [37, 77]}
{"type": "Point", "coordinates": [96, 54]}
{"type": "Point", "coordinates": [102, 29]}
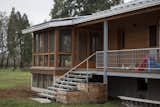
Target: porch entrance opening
{"type": "Point", "coordinates": [89, 41]}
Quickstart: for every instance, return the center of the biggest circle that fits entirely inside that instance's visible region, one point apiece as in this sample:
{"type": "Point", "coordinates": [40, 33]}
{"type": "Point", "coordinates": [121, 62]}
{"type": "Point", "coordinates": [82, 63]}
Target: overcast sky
{"type": "Point", "coordinates": [37, 10]}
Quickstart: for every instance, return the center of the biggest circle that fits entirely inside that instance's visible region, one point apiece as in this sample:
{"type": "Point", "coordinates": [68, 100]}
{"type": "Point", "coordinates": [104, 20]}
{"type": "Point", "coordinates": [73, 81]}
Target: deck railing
{"type": "Point", "coordinates": [146, 59]}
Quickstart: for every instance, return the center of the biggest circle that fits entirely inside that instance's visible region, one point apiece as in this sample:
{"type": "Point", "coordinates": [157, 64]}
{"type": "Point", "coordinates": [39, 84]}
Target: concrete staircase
{"type": "Point", "coordinates": [67, 83]}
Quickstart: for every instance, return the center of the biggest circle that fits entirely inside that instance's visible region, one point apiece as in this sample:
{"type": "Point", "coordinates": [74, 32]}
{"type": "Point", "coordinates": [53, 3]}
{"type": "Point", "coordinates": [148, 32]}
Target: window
{"type": "Point", "coordinates": [51, 60]}
{"type": "Point", "coordinates": [41, 42]}
{"type": "Point", "coordinates": [45, 42]}
{"type": "Point", "coordinates": [153, 36]}
{"type": "Point", "coordinates": [36, 61]}
{"type": "Point", "coordinates": [65, 41]}
{"type": "Point", "coordinates": [51, 41]}
{"type": "Point", "coordinates": [41, 60]}
{"type": "Point", "coordinates": [121, 40]}
{"type": "Point", "coordinates": [45, 45]}
{"type": "Point", "coordinates": [95, 42]}
{"type": "Point", "coordinates": [65, 48]}
{"type": "Point", "coordinates": [82, 46]}
{"type": "Point", "coordinates": [65, 60]}
{"type": "Point", "coordinates": [36, 42]}
{"type": "Point", "coordinates": [46, 60]}
{"type": "Point", "coordinates": [142, 84]}
{"type": "Point", "coordinates": [42, 80]}
{"type": "Point", "coordinates": [41, 53]}
{"type": "Point", "coordinates": [35, 80]}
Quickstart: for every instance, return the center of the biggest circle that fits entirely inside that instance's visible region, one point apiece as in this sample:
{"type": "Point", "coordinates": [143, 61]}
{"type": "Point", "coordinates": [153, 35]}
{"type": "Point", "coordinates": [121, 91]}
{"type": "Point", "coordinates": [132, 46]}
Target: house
{"type": "Point", "coordinates": [118, 47]}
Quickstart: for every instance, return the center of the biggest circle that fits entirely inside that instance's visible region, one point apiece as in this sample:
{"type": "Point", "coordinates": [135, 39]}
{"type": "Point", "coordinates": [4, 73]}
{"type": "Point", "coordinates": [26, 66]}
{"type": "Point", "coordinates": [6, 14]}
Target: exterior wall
{"type": "Point", "coordinates": [55, 74]}
{"type": "Point", "coordinates": [119, 86]}
{"type": "Point", "coordinates": [136, 30]}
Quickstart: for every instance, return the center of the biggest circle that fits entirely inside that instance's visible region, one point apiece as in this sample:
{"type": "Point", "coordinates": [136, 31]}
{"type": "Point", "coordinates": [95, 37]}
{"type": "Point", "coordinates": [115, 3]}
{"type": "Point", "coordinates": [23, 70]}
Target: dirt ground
{"type": "Point", "coordinates": [18, 92]}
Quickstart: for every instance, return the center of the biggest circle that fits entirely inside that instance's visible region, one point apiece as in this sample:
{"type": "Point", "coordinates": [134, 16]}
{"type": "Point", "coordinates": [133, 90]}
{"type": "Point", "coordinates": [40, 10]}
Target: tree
{"type": "Point", "coordinates": [18, 44]}
{"type": "Point", "coordinates": [11, 37]}
{"type": "Point", "coordinates": [26, 43]}
{"type": "Point", "coordinates": [68, 8]}
{"type": "Point", "coordinates": [3, 35]}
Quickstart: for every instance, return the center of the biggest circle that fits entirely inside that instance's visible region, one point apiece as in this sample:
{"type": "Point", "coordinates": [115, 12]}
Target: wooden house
{"type": "Point", "coordinates": [118, 47]}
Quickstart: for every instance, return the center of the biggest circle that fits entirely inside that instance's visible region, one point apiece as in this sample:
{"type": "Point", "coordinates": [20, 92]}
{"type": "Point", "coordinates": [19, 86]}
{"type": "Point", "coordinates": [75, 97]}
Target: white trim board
{"type": "Point", "coordinates": [134, 74]}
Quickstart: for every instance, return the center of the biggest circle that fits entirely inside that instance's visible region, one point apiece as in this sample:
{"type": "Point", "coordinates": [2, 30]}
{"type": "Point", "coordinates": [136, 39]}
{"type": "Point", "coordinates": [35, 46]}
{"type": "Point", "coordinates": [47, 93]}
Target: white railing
{"type": "Point", "coordinates": [146, 59]}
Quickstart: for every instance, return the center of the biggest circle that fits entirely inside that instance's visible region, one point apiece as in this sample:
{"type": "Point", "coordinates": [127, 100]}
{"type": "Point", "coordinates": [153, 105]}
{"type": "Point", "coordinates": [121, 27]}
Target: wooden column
{"type": "Point", "coordinates": [76, 45]}
{"type": "Point", "coordinates": [73, 47]}
{"type": "Point", "coordinates": [48, 48]}
{"type": "Point", "coordinates": [56, 44]}
{"type": "Point", "coordinates": [33, 49]}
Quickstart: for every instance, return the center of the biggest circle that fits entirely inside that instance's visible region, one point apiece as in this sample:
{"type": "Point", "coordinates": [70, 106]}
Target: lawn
{"type": "Point", "coordinates": [12, 84]}
{"type": "Point", "coordinates": [11, 79]}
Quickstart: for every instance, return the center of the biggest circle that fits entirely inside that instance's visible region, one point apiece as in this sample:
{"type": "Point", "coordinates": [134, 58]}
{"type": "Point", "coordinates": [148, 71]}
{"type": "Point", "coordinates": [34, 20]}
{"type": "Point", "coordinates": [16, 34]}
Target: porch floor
{"type": "Point", "coordinates": [151, 75]}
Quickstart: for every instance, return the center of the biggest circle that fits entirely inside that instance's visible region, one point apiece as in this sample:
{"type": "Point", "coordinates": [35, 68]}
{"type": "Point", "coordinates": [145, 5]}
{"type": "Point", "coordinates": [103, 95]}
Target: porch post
{"type": "Point", "coordinates": [105, 49]}
{"type": "Point", "coordinates": [159, 33]}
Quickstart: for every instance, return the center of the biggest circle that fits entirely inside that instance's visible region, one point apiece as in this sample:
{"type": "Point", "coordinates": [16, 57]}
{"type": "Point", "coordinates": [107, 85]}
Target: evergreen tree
{"type": "Point", "coordinates": [11, 37]}
{"type": "Point", "coordinates": [18, 44]}
{"type": "Point", "coordinates": [66, 8]}
{"type": "Point", "coordinates": [26, 44]}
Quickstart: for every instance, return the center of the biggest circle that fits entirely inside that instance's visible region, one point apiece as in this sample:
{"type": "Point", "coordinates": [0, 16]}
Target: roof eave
{"type": "Point", "coordinates": [96, 16]}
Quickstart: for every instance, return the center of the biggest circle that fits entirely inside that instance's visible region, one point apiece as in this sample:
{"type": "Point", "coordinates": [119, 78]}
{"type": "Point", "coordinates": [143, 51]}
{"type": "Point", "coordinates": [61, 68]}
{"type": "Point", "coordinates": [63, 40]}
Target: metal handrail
{"type": "Point", "coordinates": [75, 67]}
{"type": "Point", "coordinates": [130, 59]}
{"type": "Point", "coordinates": [122, 50]}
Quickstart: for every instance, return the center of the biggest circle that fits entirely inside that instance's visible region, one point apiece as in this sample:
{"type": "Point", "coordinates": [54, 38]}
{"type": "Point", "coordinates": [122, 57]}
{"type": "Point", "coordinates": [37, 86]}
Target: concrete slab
{"type": "Point", "coordinates": [41, 100]}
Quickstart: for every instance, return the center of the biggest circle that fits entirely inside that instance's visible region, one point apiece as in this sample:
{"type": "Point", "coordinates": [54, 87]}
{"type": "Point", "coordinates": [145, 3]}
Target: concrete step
{"type": "Point", "coordinates": [41, 100]}
{"type": "Point", "coordinates": [49, 92]}
{"type": "Point", "coordinates": [67, 82]}
{"type": "Point", "coordinates": [46, 95]}
{"type": "Point", "coordinates": [74, 80]}
{"type": "Point", "coordinates": [80, 73]}
{"type": "Point", "coordinates": [78, 76]}
{"type": "Point", "coordinates": [66, 86]}
{"type": "Point", "coordinates": [58, 89]}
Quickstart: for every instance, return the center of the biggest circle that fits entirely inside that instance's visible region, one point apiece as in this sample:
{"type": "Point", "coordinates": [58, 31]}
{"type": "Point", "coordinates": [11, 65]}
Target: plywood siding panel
{"type": "Point", "coordinates": [136, 30]}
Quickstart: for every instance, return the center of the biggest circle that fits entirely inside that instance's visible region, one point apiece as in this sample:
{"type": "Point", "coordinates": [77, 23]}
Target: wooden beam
{"type": "Point", "coordinates": [73, 46]}
{"type": "Point", "coordinates": [56, 49]}
{"type": "Point", "coordinates": [48, 48]}
{"type": "Point", "coordinates": [33, 48]}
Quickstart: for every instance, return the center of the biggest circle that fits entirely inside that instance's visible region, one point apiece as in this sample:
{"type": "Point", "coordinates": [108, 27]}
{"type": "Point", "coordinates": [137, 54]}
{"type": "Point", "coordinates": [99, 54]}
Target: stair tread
{"type": "Point", "coordinates": [67, 82]}
{"type": "Point", "coordinates": [65, 86]}
{"type": "Point", "coordinates": [78, 76]}
{"type": "Point", "coordinates": [80, 73]}
{"type": "Point", "coordinates": [46, 95]}
{"type": "Point", "coordinates": [60, 89]}
{"type": "Point", "coordinates": [74, 79]}
{"type": "Point", "coordinates": [49, 91]}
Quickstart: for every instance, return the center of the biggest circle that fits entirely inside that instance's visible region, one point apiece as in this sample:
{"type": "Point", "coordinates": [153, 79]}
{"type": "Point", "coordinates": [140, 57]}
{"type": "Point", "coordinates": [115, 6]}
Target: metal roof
{"type": "Point", "coordinates": [115, 10]}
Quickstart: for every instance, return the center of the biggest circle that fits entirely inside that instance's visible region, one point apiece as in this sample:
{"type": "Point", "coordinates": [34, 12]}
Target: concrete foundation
{"type": "Point", "coordinates": [88, 93]}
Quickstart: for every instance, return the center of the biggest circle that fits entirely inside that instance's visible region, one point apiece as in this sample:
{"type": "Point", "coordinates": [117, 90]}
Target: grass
{"type": "Point", "coordinates": [11, 79]}
{"type": "Point", "coordinates": [29, 103]}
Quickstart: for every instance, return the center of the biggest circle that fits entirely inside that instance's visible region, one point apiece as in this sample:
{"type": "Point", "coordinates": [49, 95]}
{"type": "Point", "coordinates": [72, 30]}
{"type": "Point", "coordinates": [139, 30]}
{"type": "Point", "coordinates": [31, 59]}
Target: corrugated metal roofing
{"type": "Point", "coordinates": [115, 10]}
